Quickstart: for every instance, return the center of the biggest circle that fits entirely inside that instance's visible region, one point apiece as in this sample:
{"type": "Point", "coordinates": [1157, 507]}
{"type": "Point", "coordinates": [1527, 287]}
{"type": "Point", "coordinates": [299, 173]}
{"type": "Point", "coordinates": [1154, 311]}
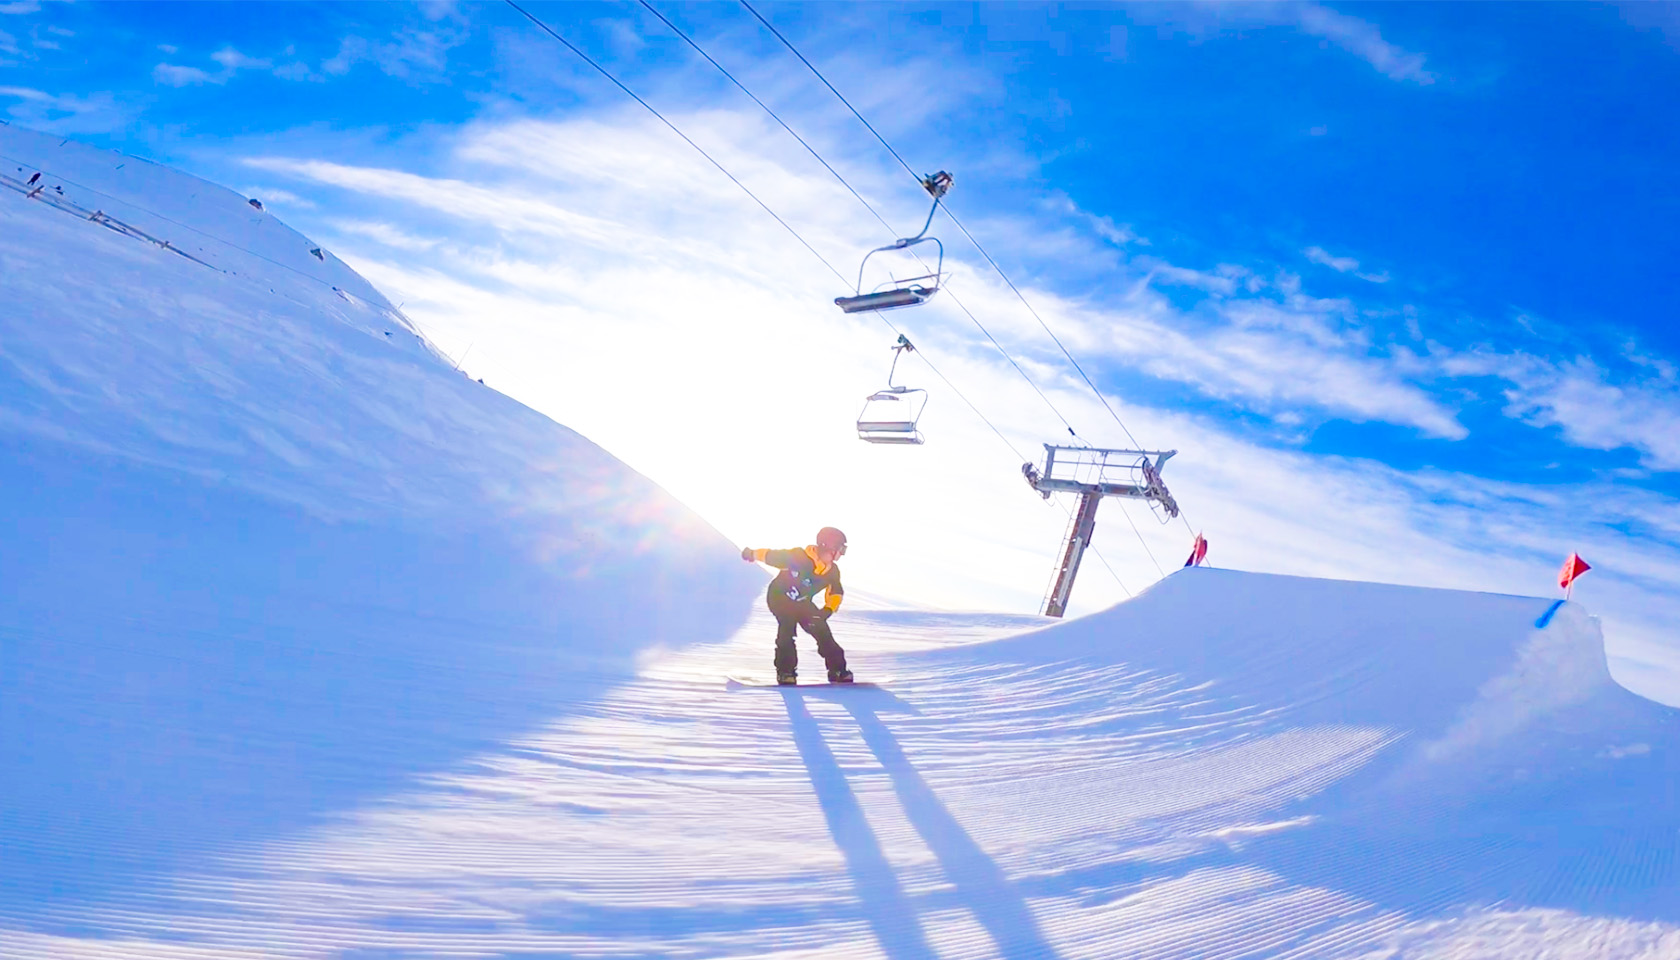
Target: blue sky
{"type": "Point", "coordinates": [1395, 279]}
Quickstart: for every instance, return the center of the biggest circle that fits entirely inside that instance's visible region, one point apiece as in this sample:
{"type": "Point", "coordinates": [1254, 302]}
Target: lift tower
{"type": "Point", "coordinates": [1094, 473]}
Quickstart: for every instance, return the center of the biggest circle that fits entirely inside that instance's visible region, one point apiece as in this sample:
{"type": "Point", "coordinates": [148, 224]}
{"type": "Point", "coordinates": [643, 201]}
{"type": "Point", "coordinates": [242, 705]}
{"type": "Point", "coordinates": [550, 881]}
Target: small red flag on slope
{"type": "Point", "coordinates": [1572, 568]}
{"type": "Point", "coordinates": [1198, 552]}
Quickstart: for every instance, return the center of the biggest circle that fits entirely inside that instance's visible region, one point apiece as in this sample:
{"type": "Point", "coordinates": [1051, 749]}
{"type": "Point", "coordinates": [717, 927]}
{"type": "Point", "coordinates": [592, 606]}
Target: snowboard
{"type": "Point", "coordinates": [770, 682]}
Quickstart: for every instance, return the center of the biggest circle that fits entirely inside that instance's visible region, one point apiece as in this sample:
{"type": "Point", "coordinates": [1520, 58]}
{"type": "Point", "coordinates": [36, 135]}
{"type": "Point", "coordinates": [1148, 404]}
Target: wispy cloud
{"type": "Point", "coordinates": [410, 54]}
{"type": "Point", "coordinates": [1280, 355]}
{"type": "Point", "coordinates": [66, 113]}
{"type": "Point", "coordinates": [1597, 410]}
{"type": "Point", "coordinates": [386, 234]}
{"type": "Point", "coordinates": [232, 60]}
{"type": "Point", "coordinates": [1339, 264]}
{"type": "Point", "coordinates": [229, 59]}
{"type": "Point", "coordinates": [173, 75]}
{"type": "Point", "coordinates": [1322, 256]}
{"type": "Point", "coordinates": [1278, 352]}
{"type": "Point", "coordinates": [269, 195]}
{"type": "Point", "coordinates": [1628, 400]}
{"type": "Point", "coordinates": [1362, 39]}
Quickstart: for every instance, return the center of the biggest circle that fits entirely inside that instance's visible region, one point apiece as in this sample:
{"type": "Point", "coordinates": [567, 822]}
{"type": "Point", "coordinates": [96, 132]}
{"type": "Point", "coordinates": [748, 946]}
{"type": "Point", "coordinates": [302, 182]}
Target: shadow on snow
{"type": "Point", "coordinates": [991, 899]}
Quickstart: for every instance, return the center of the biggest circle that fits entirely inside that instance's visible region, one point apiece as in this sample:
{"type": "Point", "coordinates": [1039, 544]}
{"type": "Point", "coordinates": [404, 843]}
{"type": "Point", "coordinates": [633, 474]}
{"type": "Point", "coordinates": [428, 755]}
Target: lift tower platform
{"type": "Point", "coordinates": [1094, 473]}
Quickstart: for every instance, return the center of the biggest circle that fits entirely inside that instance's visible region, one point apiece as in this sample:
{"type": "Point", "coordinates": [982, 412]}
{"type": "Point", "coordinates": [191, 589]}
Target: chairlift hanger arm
{"type": "Point", "coordinates": [903, 346]}
{"type": "Point", "coordinates": [925, 227]}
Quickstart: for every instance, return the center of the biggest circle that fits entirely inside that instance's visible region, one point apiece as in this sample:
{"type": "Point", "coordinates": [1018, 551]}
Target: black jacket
{"type": "Point", "coordinates": [799, 579]}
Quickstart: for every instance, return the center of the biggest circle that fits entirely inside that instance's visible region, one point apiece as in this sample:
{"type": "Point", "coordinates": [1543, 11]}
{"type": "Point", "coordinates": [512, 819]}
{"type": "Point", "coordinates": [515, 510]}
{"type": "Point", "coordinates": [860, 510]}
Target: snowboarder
{"type": "Point", "coordinates": [804, 572]}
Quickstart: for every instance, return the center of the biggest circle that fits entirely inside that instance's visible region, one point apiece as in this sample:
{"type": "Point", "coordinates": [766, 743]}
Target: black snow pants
{"type": "Point", "coordinates": [802, 613]}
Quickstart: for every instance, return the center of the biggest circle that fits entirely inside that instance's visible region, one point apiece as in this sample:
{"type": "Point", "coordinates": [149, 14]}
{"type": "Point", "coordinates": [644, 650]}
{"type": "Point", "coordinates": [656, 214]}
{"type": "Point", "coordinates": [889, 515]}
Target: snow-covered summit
{"type": "Point", "coordinates": [312, 647]}
{"type": "Point", "coordinates": [199, 219]}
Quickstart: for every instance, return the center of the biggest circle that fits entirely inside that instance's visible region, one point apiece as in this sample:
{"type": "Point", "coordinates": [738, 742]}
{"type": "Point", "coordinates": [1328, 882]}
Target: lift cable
{"type": "Point", "coordinates": [908, 169]}
{"type": "Point", "coordinates": [866, 205]}
{"type": "Point", "coordinates": [701, 150]}
{"type": "Point", "coordinates": [977, 246]}
{"type": "Point", "coordinates": [890, 229]}
{"type": "Point", "coordinates": [785, 225]}
{"type": "Point", "coordinates": [971, 239]}
{"type": "Point", "coordinates": [795, 50]}
{"type": "Point", "coordinates": [686, 139]}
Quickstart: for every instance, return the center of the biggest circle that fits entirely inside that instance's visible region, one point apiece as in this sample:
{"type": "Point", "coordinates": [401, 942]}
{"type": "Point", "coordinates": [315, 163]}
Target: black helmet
{"type": "Point", "coordinates": [832, 540]}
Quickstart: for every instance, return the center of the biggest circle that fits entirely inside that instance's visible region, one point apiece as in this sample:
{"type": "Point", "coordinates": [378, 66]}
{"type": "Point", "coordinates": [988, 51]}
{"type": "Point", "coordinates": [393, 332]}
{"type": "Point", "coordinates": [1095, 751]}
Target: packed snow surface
{"type": "Point", "coordinates": [312, 647]}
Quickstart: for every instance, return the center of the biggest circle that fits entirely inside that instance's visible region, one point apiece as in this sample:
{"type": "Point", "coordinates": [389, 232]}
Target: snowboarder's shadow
{"type": "Point", "coordinates": [980, 885]}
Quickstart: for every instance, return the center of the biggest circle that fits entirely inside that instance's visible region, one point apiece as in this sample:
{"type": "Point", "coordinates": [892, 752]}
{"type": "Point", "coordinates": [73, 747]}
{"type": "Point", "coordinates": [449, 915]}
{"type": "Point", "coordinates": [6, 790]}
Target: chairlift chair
{"type": "Point", "coordinates": [892, 415]}
{"type": "Point", "coordinates": [913, 291]}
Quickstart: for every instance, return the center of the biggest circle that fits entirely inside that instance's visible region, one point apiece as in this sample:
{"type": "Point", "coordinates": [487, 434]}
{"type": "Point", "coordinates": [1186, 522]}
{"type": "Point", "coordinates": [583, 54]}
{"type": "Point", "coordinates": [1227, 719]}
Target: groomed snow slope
{"type": "Point", "coordinates": [1231, 765]}
{"type": "Point", "coordinates": [265, 555]}
{"type": "Point", "coordinates": [311, 647]}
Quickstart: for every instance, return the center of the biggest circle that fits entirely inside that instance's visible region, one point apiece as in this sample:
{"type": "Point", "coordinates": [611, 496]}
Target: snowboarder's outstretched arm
{"type": "Point", "coordinates": [780, 559]}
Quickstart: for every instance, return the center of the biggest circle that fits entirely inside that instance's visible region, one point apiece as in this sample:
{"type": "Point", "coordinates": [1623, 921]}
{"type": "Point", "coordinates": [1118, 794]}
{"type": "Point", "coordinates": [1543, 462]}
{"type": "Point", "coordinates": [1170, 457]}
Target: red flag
{"type": "Point", "coordinates": [1572, 568]}
{"type": "Point", "coordinates": [1198, 552]}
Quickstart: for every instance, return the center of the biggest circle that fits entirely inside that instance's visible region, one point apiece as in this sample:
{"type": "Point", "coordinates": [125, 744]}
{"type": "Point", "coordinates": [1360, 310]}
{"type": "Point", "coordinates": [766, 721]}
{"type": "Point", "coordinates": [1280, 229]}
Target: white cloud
{"type": "Point", "coordinates": [229, 59]}
{"type": "Point", "coordinates": [1333, 28]}
{"type": "Point", "coordinates": [1119, 234]}
{"type": "Point", "coordinates": [271, 195]}
{"type": "Point", "coordinates": [177, 76]}
{"type": "Point", "coordinates": [1338, 264]}
{"type": "Point", "coordinates": [1597, 410]}
{"type": "Point", "coordinates": [386, 234]}
{"type": "Point", "coordinates": [1363, 40]}
{"type": "Point", "coordinates": [297, 70]}
{"type": "Point", "coordinates": [1593, 405]}
{"type": "Point", "coordinates": [1322, 256]}
{"type": "Point", "coordinates": [410, 54]}
{"type": "Point", "coordinates": [1160, 271]}
{"type": "Point", "coordinates": [65, 113]}
{"type": "Point", "coordinates": [19, 6]}
{"type": "Point", "coordinates": [232, 60]}
{"type": "Point", "coordinates": [1272, 357]}
{"type": "Point", "coordinates": [26, 93]}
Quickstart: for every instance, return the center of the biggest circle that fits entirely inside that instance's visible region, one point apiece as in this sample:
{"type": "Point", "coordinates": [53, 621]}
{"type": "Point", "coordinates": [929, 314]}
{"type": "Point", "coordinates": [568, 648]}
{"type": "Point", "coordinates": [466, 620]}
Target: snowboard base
{"type": "Point", "coordinates": [803, 685]}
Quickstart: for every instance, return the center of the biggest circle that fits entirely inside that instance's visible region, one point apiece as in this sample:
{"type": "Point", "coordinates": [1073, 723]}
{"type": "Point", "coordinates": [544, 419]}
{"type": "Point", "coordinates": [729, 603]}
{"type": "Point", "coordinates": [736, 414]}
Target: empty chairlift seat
{"type": "Point", "coordinates": [906, 296]}
{"type": "Point", "coordinates": [893, 415]}
{"type": "Point", "coordinates": [915, 290]}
